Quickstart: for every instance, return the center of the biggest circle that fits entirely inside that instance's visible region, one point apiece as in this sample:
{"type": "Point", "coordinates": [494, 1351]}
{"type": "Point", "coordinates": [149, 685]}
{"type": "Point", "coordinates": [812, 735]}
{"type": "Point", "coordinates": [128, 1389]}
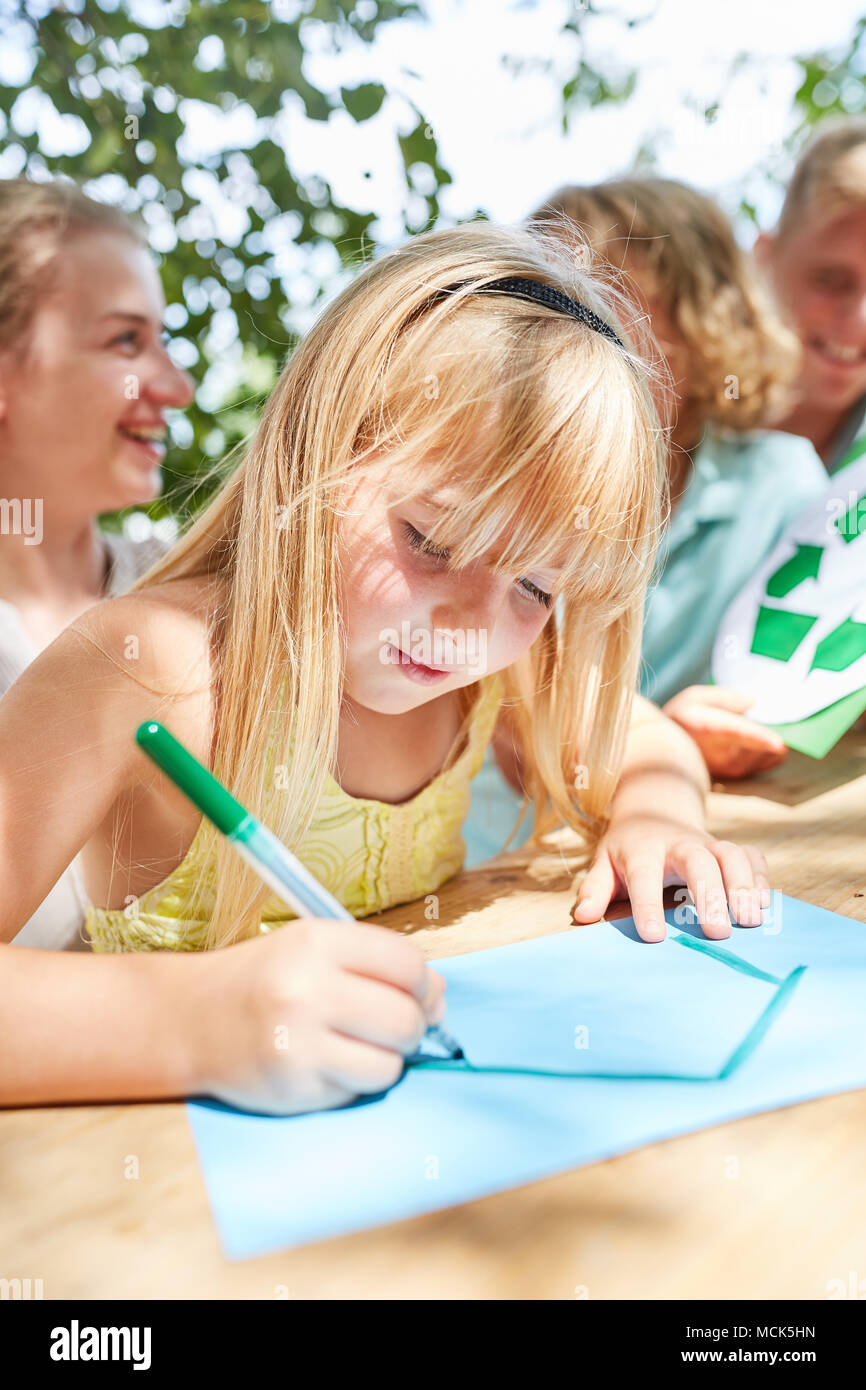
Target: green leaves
{"type": "Point", "coordinates": [419, 147]}
{"type": "Point", "coordinates": [364, 101]}
{"type": "Point", "coordinates": [589, 87]}
{"type": "Point", "coordinates": [832, 83]}
{"type": "Point", "coordinates": [103, 153]}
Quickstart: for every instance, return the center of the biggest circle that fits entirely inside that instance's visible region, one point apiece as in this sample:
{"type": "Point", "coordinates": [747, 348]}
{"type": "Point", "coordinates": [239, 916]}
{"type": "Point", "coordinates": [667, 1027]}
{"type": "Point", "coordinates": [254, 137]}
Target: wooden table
{"type": "Point", "coordinates": [770, 1206]}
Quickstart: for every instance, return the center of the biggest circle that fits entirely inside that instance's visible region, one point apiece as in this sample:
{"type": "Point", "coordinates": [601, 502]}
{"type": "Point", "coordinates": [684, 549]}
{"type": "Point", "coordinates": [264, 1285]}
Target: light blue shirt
{"type": "Point", "coordinates": [744, 491]}
{"type": "Point", "coordinates": [492, 813]}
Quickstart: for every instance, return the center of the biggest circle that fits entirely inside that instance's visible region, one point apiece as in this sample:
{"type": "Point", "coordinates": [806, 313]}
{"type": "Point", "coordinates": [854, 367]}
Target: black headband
{"type": "Point", "coordinates": [554, 299]}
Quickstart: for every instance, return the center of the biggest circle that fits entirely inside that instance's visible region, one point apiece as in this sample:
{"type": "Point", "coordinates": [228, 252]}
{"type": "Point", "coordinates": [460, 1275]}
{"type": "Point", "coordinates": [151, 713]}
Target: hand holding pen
{"type": "Point", "coordinates": [334, 1006]}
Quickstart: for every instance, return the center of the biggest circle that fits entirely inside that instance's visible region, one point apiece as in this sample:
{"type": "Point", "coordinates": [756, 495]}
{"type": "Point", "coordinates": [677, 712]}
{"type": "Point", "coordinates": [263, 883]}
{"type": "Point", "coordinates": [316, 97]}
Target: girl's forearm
{"type": "Point", "coordinates": [663, 772]}
{"type": "Point", "coordinates": [76, 1027]}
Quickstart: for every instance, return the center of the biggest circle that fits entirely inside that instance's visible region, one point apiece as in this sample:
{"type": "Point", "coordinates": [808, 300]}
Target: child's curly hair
{"type": "Point", "coordinates": [679, 245]}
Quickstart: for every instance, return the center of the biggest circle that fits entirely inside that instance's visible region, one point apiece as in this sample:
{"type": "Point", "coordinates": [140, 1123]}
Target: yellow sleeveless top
{"type": "Point", "coordinates": [369, 854]}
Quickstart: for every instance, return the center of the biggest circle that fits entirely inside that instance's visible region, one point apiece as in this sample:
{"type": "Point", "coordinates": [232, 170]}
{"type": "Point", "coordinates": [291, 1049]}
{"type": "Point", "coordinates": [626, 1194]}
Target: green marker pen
{"type": "Point", "coordinates": [272, 861]}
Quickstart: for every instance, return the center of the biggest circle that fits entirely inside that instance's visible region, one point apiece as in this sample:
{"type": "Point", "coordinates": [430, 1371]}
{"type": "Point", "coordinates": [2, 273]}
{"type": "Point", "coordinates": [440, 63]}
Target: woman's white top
{"type": "Point", "coordinates": [56, 923]}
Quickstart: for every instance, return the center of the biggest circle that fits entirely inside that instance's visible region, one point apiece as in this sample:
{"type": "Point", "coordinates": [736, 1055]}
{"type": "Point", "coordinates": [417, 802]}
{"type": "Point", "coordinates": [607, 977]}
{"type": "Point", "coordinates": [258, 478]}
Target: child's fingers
{"type": "Point", "coordinates": [438, 1012]}
{"type": "Point", "coordinates": [739, 876]}
{"type": "Point", "coordinates": [745, 733]}
{"type": "Point", "coordinates": [436, 985]}
{"type": "Point", "coordinates": [360, 1068]}
{"type": "Point", "coordinates": [696, 698]}
{"type": "Point", "coordinates": [753, 763]}
{"type": "Point", "coordinates": [724, 717]}
{"type": "Point", "coordinates": [721, 696]}
{"type": "Point", "coordinates": [761, 871]}
{"type": "Point", "coordinates": [644, 884]}
{"type": "Point", "coordinates": [734, 766]}
{"type": "Point", "coordinates": [373, 1012]}
{"type": "Point", "coordinates": [596, 890]}
{"type": "Point", "coordinates": [382, 955]}
{"type": "Point", "coordinates": [700, 872]}
{"type": "Point", "coordinates": [435, 1003]}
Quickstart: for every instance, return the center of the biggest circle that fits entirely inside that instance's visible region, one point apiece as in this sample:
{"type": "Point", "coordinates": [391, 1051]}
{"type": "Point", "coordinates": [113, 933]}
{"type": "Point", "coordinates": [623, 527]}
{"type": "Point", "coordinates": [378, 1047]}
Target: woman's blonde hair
{"type": "Point", "coordinates": [743, 360]}
{"type": "Point", "coordinates": [36, 221]}
{"type": "Point", "coordinates": [830, 175]}
{"type": "Point", "coordinates": [408, 373]}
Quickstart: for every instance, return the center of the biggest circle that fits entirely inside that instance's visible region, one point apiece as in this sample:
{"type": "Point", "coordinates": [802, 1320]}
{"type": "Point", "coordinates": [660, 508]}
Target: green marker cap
{"type": "Point", "coordinates": [194, 780]}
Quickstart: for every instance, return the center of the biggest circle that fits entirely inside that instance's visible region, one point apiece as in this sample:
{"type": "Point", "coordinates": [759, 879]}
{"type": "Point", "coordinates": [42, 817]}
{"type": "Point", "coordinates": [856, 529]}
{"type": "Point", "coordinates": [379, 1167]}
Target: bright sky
{"type": "Point", "coordinates": [500, 135]}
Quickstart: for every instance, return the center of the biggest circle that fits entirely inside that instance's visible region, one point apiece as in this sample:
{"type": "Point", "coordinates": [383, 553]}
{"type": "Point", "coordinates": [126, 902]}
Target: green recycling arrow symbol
{"type": "Point", "coordinates": [853, 523]}
{"type": "Point", "coordinates": [803, 564]}
{"type": "Point", "coordinates": [778, 633]}
{"type": "Point", "coordinates": [841, 647]}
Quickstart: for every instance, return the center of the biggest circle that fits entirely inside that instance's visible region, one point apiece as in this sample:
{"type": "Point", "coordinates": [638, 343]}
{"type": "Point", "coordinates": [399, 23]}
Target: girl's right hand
{"type": "Point", "coordinates": [311, 1015]}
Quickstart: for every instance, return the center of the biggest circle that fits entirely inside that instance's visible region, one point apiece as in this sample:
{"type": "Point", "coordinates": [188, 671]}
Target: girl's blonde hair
{"type": "Point", "coordinates": [36, 221]}
{"type": "Point", "coordinates": [406, 375]}
{"type": "Point", "coordinates": [830, 175]}
{"type": "Point", "coordinates": [743, 360]}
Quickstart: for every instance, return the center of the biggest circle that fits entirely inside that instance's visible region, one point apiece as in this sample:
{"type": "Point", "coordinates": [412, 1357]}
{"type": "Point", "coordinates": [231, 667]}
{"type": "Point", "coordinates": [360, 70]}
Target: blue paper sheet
{"type": "Point", "coordinates": [595, 1000]}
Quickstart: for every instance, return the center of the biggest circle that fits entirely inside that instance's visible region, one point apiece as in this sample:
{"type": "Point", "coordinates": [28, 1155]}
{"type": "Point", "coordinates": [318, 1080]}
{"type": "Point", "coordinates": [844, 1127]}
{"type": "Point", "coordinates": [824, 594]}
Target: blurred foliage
{"type": "Point", "coordinates": [833, 84]}
{"type": "Point", "coordinates": [125, 69]}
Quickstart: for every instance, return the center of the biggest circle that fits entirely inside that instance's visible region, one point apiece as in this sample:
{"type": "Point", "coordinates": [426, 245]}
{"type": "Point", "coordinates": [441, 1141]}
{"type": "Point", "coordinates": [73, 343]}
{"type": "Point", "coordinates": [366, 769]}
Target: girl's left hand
{"type": "Point", "coordinates": [641, 855]}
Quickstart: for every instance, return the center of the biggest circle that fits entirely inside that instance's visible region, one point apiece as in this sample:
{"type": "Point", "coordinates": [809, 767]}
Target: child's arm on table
{"type": "Point", "coordinates": [354, 997]}
{"type": "Point", "coordinates": [656, 836]}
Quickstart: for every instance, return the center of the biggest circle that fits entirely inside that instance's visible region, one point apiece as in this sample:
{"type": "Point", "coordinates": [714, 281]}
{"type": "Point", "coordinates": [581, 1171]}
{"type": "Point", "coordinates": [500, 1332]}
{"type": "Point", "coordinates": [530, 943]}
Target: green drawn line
{"type": "Point", "coordinates": [719, 953]}
{"type": "Point", "coordinates": [785, 989]}
{"type": "Point", "coordinates": [461, 1064]}
{"type": "Point", "coordinates": [758, 1029]}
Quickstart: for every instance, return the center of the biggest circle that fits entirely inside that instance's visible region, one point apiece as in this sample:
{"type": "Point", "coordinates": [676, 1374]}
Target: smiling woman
{"type": "Point", "coordinates": [85, 376]}
{"type": "Point", "coordinates": [85, 380]}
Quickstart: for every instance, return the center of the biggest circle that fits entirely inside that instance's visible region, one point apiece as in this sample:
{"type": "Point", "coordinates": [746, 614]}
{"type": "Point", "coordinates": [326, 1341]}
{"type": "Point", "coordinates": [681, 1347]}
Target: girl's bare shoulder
{"type": "Point", "coordinates": [163, 636]}
{"type": "Point", "coordinates": [74, 711]}
{"type": "Point", "coordinates": [149, 654]}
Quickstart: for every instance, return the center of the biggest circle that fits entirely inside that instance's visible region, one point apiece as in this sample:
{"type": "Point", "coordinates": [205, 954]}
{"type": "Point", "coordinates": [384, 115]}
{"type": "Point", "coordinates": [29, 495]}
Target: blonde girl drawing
{"type": "Point", "coordinates": [464, 437]}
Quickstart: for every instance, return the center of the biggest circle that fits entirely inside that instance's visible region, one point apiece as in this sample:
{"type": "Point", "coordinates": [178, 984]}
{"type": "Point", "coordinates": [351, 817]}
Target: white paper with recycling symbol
{"type": "Point", "coordinates": [795, 637]}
